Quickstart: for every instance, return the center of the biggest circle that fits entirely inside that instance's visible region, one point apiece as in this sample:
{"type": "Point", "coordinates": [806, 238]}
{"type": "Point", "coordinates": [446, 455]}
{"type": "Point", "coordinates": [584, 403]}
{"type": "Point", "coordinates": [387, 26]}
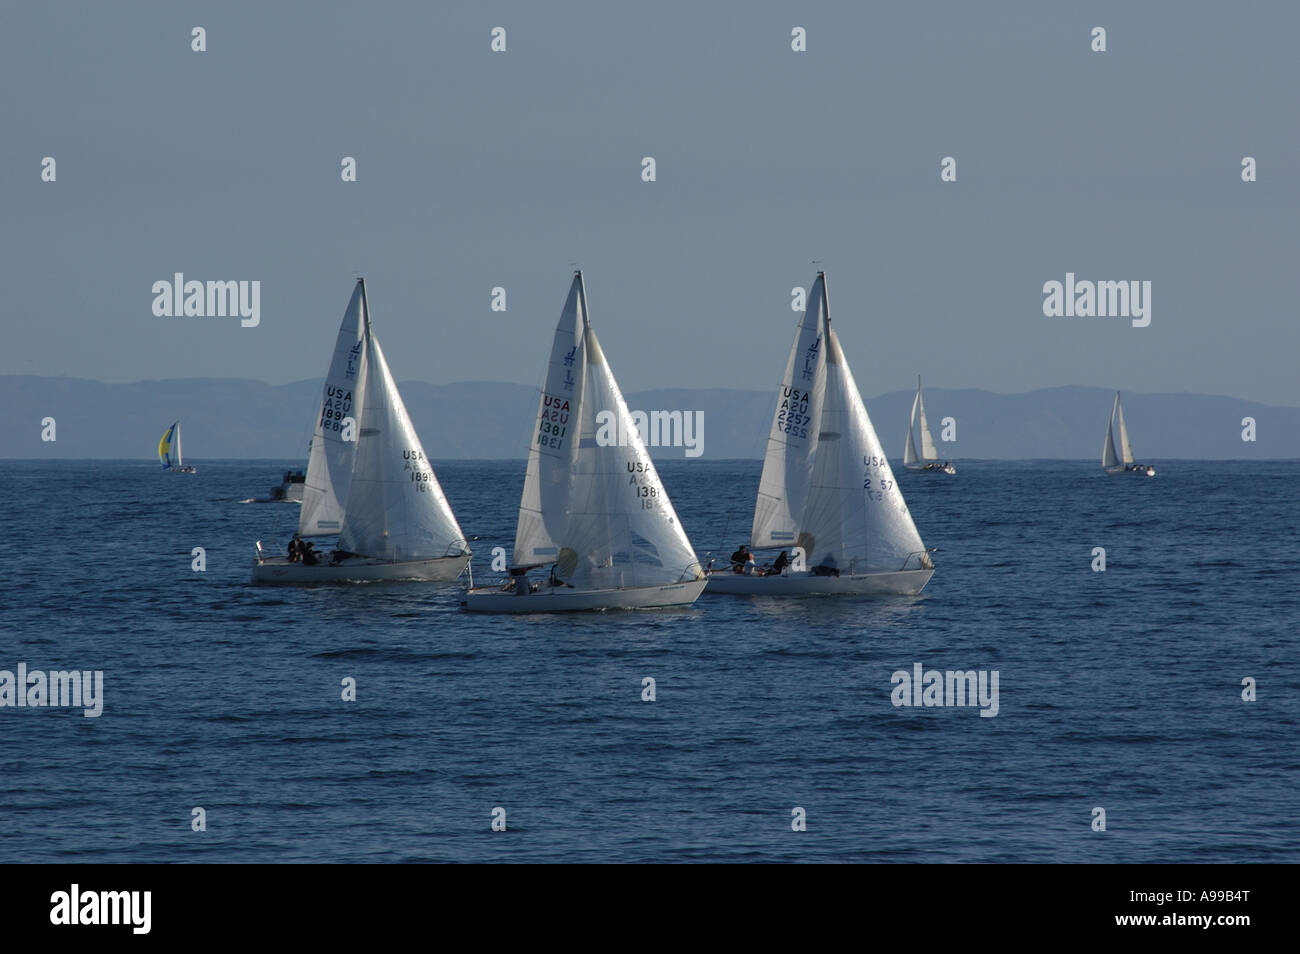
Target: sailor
{"type": "Point", "coordinates": [294, 548]}
{"type": "Point", "coordinates": [780, 563]}
{"type": "Point", "coordinates": [308, 552]}
{"type": "Point", "coordinates": [738, 559]}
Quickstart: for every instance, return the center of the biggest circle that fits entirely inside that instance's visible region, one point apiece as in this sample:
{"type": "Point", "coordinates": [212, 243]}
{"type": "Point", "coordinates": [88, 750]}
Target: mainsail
{"type": "Point", "coordinates": [1126, 449]}
{"type": "Point", "coordinates": [1109, 459]}
{"type": "Point", "coordinates": [928, 451]}
{"type": "Point", "coordinates": [850, 514]}
{"type": "Point", "coordinates": [395, 506]}
{"type": "Point", "coordinates": [792, 441]}
{"type": "Point", "coordinates": [593, 504]}
{"type": "Point", "coordinates": [329, 466]}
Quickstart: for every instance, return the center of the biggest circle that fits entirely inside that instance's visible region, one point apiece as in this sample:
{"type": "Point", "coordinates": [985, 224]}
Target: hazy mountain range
{"type": "Point", "coordinates": [233, 418]}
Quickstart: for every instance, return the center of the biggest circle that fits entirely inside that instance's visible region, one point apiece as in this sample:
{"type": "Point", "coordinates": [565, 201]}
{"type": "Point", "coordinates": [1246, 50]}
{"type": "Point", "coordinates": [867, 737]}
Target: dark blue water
{"type": "Point", "coordinates": [1119, 690]}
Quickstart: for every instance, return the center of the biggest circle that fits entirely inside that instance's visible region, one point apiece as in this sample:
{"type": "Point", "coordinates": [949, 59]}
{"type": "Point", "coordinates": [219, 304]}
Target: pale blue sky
{"type": "Point", "coordinates": [479, 169]}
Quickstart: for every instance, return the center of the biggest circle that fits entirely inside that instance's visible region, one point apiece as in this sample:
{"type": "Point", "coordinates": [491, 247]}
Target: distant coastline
{"type": "Point", "coordinates": [239, 419]}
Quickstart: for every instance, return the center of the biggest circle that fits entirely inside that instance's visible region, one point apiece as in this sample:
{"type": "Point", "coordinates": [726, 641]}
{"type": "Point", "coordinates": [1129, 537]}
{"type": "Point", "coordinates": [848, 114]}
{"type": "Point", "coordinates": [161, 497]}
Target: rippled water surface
{"type": "Point", "coordinates": [1119, 690]}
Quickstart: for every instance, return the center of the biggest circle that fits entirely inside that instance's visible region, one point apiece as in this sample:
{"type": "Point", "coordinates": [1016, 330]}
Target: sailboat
{"type": "Point", "coordinates": [169, 452]}
{"type": "Point", "coordinates": [368, 478]}
{"type": "Point", "coordinates": [827, 496]}
{"type": "Point", "coordinates": [929, 459]}
{"type": "Point", "coordinates": [594, 515]}
{"type": "Point", "coordinates": [1112, 463]}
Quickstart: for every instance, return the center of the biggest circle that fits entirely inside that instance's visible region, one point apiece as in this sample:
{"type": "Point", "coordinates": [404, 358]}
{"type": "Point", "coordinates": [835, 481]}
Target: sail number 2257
{"type": "Point", "coordinates": [875, 487]}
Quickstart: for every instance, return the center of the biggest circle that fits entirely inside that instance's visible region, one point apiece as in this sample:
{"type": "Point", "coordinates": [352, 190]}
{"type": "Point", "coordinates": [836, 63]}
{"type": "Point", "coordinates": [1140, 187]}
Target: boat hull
{"type": "Point", "coordinates": [1140, 472]}
{"type": "Point", "coordinates": [888, 583]}
{"type": "Point", "coordinates": [948, 469]}
{"type": "Point", "coordinates": [565, 600]}
{"type": "Point", "coordinates": [280, 570]}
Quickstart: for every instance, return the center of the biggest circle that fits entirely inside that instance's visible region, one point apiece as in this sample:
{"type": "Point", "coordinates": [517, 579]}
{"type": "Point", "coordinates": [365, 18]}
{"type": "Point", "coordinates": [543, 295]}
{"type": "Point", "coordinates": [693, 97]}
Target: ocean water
{"type": "Point", "coordinates": [1120, 690]}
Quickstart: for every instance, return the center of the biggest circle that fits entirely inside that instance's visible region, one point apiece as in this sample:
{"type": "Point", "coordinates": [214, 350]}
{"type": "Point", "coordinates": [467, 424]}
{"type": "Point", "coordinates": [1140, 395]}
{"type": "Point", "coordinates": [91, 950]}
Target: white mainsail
{"type": "Point", "coordinates": [852, 515]}
{"type": "Point", "coordinates": [1126, 449]}
{"type": "Point", "coordinates": [395, 506]}
{"type": "Point", "coordinates": [792, 441]}
{"type": "Point", "coordinates": [928, 451]}
{"type": "Point", "coordinates": [592, 503]}
{"type": "Point", "coordinates": [909, 452]}
{"type": "Point", "coordinates": [1108, 457]}
{"type": "Point", "coordinates": [329, 466]}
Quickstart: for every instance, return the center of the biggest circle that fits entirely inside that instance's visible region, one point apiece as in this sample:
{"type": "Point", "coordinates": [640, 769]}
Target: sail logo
{"type": "Point", "coordinates": [75, 906]}
{"type": "Point", "coordinates": [656, 429]}
{"type": "Point", "coordinates": [56, 688]}
{"type": "Point", "coordinates": [354, 361]}
{"type": "Point", "coordinates": [194, 299]}
{"type": "Point", "coordinates": [810, 359]}
{"type": "Point", "coordinates": [1087, 299]}
{"type": "Point", "coordinates": [928, 688]}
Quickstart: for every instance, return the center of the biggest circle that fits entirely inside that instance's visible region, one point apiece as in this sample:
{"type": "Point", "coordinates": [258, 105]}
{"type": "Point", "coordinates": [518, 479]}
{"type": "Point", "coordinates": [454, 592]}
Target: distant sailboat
{"type": "Point", "coordinates": [291, 488]}
{"type": "Point", "coordinates": [827, 496]}
{"type": "Point", "coordinates": [368, 479]}
{"type": "Point", "coordinates": [929, 459]}
{"type": "Point", "coordinates": [169, 452]}
{"type": "Point", "coordinates": [1112, 463]}
{"type": "Point", "coordinates": [593, 510]}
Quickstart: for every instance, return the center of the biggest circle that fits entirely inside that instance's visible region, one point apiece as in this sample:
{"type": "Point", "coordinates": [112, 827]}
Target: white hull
{"type": "Point", "coordinates": [563, 600]}
{"type": "Point", "coordinates": [280, 570]}
{"type": "Point", "coordinates": [948, 469]}
{"type": "Point", "coordinates": [898, 583]}
{"type": "Point", "coordinates": [1140, 472]}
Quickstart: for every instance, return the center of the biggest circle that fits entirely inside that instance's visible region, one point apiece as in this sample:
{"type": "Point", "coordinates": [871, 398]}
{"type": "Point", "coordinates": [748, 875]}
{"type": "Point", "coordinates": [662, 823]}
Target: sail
{"type": "Point", "coordinates": [395, 507]}
{"type": "Point", "coordinates": [593, 504]}
{"type": "Point", "coordinates": [329, 466]}
{"type": "Point", "coordinates": [1126, 449]}
{"type": "Point", "coordinates": [928, 452]}
{"type": "Point", "coordinates": [168, 447]}
{"type": "Point", "coordinates": [1108, 456]}
{"type": "Point", "coordinates": [553, 450]}
{"type": "Point", "coordinates": [909, 454]}
{"type": "Point", "coordinates": [792, 441]}
{"type": "Point", "coordinates": [855, 518]}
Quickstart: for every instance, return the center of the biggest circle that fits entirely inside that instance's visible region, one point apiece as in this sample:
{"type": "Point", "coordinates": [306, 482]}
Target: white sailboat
{"type": "Point", "coordinates": [1122, 463]}
{"type": "Point", "coordinates": [170, 454]}
{"type": "Point", "coordinates": [594, 519]}
{"type": "Point", "coordinates": [827, 497]}
{"type": "Point", "coordinates": [929, 458]}
{"type": "Point", "coordinates": [368, 478]}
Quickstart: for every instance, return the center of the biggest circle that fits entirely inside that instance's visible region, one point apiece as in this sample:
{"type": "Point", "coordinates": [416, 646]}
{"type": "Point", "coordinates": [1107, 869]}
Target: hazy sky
{"type": "Point", "coordinates": [479, 169]}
